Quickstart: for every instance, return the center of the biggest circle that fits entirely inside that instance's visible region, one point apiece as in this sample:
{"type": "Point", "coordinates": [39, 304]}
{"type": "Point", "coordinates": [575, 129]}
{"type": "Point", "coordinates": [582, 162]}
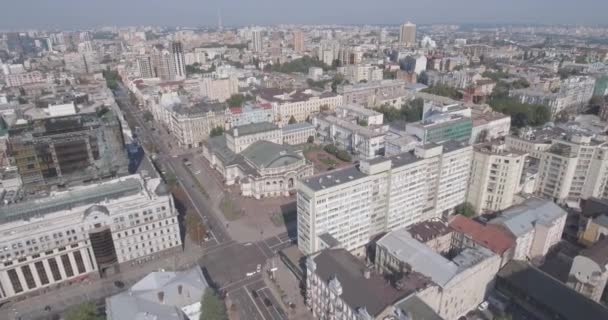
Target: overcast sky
{"type": "Point", "coordinates": [23, 14]}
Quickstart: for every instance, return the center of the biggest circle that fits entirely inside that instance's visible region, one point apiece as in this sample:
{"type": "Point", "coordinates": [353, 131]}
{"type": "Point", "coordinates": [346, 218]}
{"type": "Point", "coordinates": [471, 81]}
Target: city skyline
{"type": "Point", "coordinates": [68, 14]}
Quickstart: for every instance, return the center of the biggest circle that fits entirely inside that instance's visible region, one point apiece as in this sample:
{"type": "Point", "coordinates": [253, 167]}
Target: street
{"type": "Point", "coordinates": [226, 262]}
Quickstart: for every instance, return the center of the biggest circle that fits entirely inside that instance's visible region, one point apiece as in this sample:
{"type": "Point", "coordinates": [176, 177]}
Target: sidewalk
{"type": "Point", "coordinates": [63, 298]}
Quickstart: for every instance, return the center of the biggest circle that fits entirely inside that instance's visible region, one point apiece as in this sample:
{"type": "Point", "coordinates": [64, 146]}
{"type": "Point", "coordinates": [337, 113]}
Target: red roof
{"type": "Point", "coordinates": [236, 110]}
{"type": "Point", "coordinates": [266, 105]}
{"type": "Point", "coordinates": [490, 236]}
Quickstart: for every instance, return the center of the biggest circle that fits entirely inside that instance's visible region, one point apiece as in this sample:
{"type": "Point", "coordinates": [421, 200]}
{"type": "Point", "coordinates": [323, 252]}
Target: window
{"type": "Point", "coordinates": [12, 275]}
{"type": "Point", "coordinates": [79, 262]}
{"type": "Point", "coordinates": [44, 279]}
{"type": "Point", "coordinates": [67, 266]}
{"type": "Point", "coordinates": [29, 277]}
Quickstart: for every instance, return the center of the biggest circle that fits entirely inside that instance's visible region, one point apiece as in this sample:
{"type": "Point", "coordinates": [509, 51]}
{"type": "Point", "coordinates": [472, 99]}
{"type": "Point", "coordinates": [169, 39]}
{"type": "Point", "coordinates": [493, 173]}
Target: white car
{"type": "Point", "coordinates": [259, 268]}
{"type": "Point", "coordinates": [249, 274]}
{"type": "Point", "coordinates": [483, 306]}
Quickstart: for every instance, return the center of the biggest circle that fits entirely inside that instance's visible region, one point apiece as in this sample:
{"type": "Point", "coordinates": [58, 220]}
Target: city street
{"type": "Point", "coordinates": [231, 266]}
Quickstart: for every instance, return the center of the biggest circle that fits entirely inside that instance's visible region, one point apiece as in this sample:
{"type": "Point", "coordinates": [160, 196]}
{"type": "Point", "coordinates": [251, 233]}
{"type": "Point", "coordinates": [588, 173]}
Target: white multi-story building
{"type": "Point", "coordinates": [239, 138]}
{"type": "Point", "coordinates": [83, 232]}
{"type": "Point", "coordinates": [19, 79]}
{"type": "Point", "coordinates": [366, 94]}
{"type": "Point", "coordinates": [536, 224]}
{"type": "Point", "coordinates": [574, 92]}
{"type": "Point", "coordinates": [219, 89]}
{"type": "Point", "coordinates": [365, 141]}
{"type": "Point", "coordinates": [351, 205]}
{"type": "Point", "coordinates": [495, 177]}
{"type": "Point", "coordinates": [298, 104]}
{"type": "Point", "coordinates": [361, 73]}
{"type": "Point", "coordinates": [249, 113]}
{"type": "Point", "coordinates": [298, 133]}
{"type": "Point", "coordinates": [192, 125]}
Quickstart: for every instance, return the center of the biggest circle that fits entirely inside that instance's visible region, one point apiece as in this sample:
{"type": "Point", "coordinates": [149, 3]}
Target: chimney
{"type": "Point", "coordinates": [161, 296]}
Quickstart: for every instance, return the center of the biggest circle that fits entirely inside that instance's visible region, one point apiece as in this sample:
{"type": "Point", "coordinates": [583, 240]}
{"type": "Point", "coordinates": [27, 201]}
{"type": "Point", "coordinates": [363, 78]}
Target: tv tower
{"type": "Point", "coordinates": [219, 20]}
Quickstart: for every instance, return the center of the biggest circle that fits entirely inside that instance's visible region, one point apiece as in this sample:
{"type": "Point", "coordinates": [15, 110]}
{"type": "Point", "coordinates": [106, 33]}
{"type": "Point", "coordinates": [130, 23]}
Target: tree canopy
{"type": "Point", "coordinates": [292, 120]}
{"type": "Point", "coordinates": [237, 100]}
{"type": "Point", "coordinates": [217, 131]}
{"type": "Point", "coordinates": [84, 311]}
{"type": "Point", "coordinates": [444, 91]}
{"type": "Point", "coordinates": [300, 65]}
{"type": "Point", "coordinates": [212, 308]}
{"type": "Point", "coordinates": [409, 112]}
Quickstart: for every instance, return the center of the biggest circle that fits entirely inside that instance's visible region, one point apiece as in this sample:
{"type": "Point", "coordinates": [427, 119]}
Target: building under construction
{"type": "Point", "coordinates": [60, 151]}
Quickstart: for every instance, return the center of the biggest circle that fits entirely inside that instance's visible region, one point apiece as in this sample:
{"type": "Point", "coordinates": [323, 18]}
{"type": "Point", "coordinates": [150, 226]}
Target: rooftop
{"type": "Point", "coordinates": [490, 236]}
{"type": "Point", "coordinates": [253, 128]}
{"type": "Point", "coordinates": [266, 154]}
{"type": "Point", "coordinates": [333, 178]}
{"type": "Point", "coordinates": [65, 200]}
{"type": "Point", "coordinates": [297, 127]}
{"type": "Point", "coordinates": [520, 219]}
{"type": "Point", "coordinates": [598, 252]}
{"type": "Point", "coordinates": [375, 294]}
{"type": "Point", "coordinates": [551, 294]}
{"type": "Point", "coordinates": [428, 230]}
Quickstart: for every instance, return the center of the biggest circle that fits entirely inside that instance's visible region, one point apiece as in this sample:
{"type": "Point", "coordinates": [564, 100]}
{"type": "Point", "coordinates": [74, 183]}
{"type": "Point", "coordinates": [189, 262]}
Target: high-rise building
{"type": "Point", "coordinates": [495, 177]}
{"type": "Point", "coordinates": [178, 65]}
{"type": "Point", "coordinates": [62, 150]}
{"type": "Point", "coordinates": [407, 36]}
{"type": "Point", "coordinates": [298, 41]}
{"type": "Point", "coordinates": [161, 62]}
{"type": "Point", "coordinates": [348, 207]}
{"type": "Point", "coordinates": [256, 40]}
{"type": "Point", "coordinates": [145, 67]}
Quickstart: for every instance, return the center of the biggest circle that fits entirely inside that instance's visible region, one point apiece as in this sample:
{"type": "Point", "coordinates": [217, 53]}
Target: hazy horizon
{"type": "Point", "coordinates": [73, 14]}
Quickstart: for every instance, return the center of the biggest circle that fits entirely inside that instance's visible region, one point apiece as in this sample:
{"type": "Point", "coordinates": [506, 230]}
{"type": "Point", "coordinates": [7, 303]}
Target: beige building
{"type": "Point", "coordinates": [219, 89]}
{"type": "Point", "coordinates": [407, 35]}
{"type": "Point", "coordinates": [254, 157]}
{"type": "Point", "coordinates": [239, 138]}
{"type": "Point", "coordinates": [298, 41]}
{"type": "Point", "coordinates": [459, 285]}
{"type": "Point", "coordinates": [299, 104]}
{"type": "Point", "coordinates": [366, 94]}
{"type": "Point", "coordinates": [298, 133]}
{"type": "Point", "coordinates": [192, 125]}
{"type": "Point", "coordinates": [87, 231]}
{"type": "Point", "coordinates": [495, 177]}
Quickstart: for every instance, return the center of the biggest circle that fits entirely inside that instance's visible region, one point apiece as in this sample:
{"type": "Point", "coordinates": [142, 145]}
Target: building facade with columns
{"type": "Point", "coordinates": [86, 231]}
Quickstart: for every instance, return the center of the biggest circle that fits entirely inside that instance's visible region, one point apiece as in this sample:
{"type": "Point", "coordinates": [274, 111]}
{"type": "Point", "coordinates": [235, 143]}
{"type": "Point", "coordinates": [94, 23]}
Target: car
{"type": "Point", "coordinates": [267, 302]}
{"type": "Point", "coordinates": [119, 284]}
{"type": "Point", "coordinates": [483, 306]}
{"type": "Point", "coordinates": [258, 268]}
{"type": "Point", "coordinates": [249, 274]}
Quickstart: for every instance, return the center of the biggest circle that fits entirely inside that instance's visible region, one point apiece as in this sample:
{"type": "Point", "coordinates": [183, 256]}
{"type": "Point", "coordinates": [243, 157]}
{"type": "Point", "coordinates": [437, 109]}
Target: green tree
{"type": "Point", "coordinates": [292, 120]}
{"type": "Point", "coordinates": [212, 308]}
{"type": "Point", "coordinates": [148, 116]}
{"type": "Point", "coordinates": [194, 227]}
{"type": "Point", "coordinates": [237, 100]}
{"type": "Point", "coordinates": [311, 139]}
{"type": "Point", "coordinates": [84, 311]}
{"type": "Point", "coordinates": [217, 131]}
{"type": "Point", "coordinates": [466, 209]}
{"type": "Point", "coordinates": [362, 122]}
{"type": "Point", "coordinates": [444, 91]}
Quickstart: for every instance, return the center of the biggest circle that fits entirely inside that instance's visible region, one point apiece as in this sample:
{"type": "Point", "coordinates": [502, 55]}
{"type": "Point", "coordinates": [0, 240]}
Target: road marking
{"type": "Point", "coordinates": [253, 301]}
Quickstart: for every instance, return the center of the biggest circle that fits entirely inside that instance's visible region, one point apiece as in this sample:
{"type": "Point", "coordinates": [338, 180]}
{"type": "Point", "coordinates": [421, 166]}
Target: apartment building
{"type": "Point", "coordinates": [191, 125]}
{"type": "Point", "coordinates": [248, 114]}
{"type": "Point", "coordinates": [298, 133]}
{"type": "Point", "coordinates": [495, 177]}
{"type": "Point", "coordinates": [219, 89]}
{"type": "Point", "coordinates": [349, 206]}
{"type": "Point", "coordinates": [441, 128]}
{"type": "Point", "coordinates": [299, 104]}
{"type": "Point", "coordinates": [366, 94]}
{"type": "Point", "coordinates": [84, 232]}
{"type": "Point", "coordinates": [459, 284]}
{"type": "Point", "coordinates": [589, 271]}
{"type": "Point", "coordinates": [340, 286]}
{"type": "Point", "coordinates": [536, 224]}
{"type": "Point", "coordinates": [345, 133]}
{"type": "Point", "coordinates": [19, 79]}
{"type": "Point", "coordinates": [574, 93]}
{"type": "Point", "coordinates": [361, 73]}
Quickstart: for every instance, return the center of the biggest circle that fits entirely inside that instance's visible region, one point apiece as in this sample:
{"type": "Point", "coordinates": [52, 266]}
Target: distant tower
{"type": "Point", "coordinates": [298, 41]}
{"type": "Point", "coordinates": [256, 39]}
{"type": "Point", "coordinates": [407, 36]}
{"type": "Point", "coordinates": [178, 65]}
{"type": "Point", "coordinates": [220, 27]}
